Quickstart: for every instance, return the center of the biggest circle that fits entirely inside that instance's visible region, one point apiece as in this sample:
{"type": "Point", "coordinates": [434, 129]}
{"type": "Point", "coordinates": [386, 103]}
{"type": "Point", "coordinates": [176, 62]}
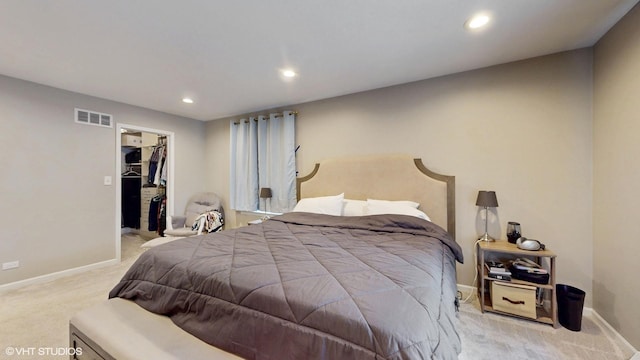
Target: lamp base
{"type": "Point", "coordinates": [486, 237]}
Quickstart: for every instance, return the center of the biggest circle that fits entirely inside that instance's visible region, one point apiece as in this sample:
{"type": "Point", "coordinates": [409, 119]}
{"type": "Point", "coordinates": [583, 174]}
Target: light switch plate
{"type": "Point", "coordinates": [10, 265]}
{"type": "Point", "coordinates": [107, 180]}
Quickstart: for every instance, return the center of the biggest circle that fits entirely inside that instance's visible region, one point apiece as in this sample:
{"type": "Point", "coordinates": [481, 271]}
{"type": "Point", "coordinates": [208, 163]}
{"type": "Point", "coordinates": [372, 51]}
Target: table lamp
{"type": "Point", "coordinates": [486, 199]}
{"type": "Point", "coordinates": [265, 193]}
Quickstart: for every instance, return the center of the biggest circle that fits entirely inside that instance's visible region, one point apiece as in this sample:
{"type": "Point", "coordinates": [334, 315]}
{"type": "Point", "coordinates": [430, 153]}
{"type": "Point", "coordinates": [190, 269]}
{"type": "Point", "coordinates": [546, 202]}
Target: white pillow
{"type": "Point", "coordinates": [328, 205]}
{"type": "Point", "coordinates": [399, 209]}
{"type": "Point", "coordinates": [412, 204]}
{"type": "Point", "coordinates": [354, 207]}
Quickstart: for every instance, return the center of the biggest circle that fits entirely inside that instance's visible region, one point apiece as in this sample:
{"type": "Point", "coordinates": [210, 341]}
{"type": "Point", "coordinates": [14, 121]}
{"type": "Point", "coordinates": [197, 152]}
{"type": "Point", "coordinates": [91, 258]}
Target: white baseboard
{"type": "Point", "coordinates": [56, 275]}
{"type": "Point", "coordinates": [594, 314]}
{"type": "Point", "coordinates": [466, 290]}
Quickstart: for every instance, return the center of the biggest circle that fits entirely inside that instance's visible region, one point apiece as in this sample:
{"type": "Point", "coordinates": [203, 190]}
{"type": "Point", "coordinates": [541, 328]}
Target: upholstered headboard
{"type": "Point", "coordinates": [388, 177]}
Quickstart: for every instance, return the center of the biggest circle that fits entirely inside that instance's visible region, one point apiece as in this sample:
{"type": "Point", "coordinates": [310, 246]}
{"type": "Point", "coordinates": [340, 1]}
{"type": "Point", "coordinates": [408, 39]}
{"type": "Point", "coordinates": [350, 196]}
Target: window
{"type": "Point", "coordinates": [263, 156]}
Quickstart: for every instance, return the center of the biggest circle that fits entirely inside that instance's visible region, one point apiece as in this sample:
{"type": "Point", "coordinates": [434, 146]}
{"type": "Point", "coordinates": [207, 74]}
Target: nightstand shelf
{"type": "Point", "coordinates": [503, 248]}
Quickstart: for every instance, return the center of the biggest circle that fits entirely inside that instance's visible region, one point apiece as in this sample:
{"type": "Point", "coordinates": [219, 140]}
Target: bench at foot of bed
{"type": "Point", "coordinates": [120, 329]}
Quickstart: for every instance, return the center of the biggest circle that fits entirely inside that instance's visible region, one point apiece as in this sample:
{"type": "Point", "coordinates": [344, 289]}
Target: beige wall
{"type": "Point", "coordinates": [617, 177]}
{"type": "Point", "coordinates": [55, 212]}
{"type": "Point", "coordinates": [522, 129]}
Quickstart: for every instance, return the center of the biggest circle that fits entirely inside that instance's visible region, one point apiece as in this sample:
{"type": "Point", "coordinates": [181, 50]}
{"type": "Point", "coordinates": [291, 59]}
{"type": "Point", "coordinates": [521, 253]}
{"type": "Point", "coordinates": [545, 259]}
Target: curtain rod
{"type": "Point", "coordinates": [265, 115]}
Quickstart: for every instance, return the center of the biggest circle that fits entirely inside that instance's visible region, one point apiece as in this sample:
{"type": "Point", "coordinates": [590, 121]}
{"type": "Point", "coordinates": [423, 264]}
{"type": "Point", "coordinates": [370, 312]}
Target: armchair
{"type": "Point", "coordinates": [180, 225]}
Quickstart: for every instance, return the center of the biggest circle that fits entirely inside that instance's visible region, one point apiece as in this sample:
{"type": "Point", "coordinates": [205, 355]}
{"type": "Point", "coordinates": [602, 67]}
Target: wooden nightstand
{"type": "Point", "coordinates": [505, 249]}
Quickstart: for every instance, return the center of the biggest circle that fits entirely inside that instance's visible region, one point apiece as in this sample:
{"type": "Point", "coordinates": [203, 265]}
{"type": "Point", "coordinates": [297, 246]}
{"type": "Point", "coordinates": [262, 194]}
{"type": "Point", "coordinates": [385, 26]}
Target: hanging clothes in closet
{"type": "Point", "coordinates": [161, 173]}
{"type": "Point", "coordinates": [158, 178]}
{"type": "Point", "coordinates": [157, 168]}
{"type": "Point", "coordinates": [131, 200]}
{"type": "Point", "coordinates": [162, 216]}
{"type": "Point", "coordinates": [154, 212]}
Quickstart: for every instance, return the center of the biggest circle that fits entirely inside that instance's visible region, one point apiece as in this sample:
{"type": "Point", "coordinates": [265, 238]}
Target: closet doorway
{"type": "Point", "coordinates": [144, 181]}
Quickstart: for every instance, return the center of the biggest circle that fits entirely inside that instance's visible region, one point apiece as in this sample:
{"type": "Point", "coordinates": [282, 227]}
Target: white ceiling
{"type": "Point", "coordinates": [226, 54]}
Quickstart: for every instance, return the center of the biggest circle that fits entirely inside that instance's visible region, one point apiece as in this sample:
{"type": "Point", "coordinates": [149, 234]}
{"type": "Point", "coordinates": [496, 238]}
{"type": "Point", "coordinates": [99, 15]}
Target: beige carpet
{"type": "Point", "coordinates": [491, 336]}
{"type": "Point", "coordinates": [37, 316]}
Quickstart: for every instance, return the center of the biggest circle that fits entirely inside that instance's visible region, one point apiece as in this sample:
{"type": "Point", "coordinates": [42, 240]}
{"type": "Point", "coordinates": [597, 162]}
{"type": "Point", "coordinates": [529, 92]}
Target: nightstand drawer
{"type": "Point", "coordinates": [514, 298]}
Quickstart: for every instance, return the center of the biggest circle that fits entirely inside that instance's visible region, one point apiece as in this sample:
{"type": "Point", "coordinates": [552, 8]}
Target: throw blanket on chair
{"type": "Point", "coordinates": [210, 221]}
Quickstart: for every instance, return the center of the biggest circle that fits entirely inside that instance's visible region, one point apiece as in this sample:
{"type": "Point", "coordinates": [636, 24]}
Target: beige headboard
{"type": "Point", "coordinates": [388, 177]}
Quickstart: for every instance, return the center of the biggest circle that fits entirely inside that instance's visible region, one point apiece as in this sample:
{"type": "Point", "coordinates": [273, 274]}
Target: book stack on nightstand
{"type": "Point", "coordinates": [497, 270]}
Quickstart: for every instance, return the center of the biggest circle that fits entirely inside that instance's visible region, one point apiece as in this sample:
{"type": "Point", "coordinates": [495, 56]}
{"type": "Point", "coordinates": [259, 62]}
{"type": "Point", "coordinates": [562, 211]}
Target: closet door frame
{"type": "Point", "coordinates": [118, 181]}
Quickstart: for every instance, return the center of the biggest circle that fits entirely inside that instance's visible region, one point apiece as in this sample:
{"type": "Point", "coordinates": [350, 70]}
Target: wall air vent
{"type": "Point", "coordinates": [93, 118]}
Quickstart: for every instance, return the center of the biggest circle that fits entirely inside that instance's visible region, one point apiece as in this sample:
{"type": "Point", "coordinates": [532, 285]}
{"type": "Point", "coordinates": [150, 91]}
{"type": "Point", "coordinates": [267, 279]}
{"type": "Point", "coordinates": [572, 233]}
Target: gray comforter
{"type": "Point", "coordinates": [308, 286]}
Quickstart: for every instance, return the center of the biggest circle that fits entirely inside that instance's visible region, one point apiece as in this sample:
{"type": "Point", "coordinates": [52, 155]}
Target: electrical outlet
{"type": "Point", "coordinates": [10, 265]}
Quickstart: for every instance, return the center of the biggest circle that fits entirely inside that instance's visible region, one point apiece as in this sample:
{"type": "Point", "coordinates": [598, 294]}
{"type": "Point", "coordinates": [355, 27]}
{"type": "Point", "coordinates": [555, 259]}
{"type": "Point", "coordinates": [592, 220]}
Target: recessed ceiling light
{"type": "Point", "coordinates": [289, 73]}
{"type": "Point", "coordinates": [187, 100]}
{"type": "Point", "coordinates": [477, 21]}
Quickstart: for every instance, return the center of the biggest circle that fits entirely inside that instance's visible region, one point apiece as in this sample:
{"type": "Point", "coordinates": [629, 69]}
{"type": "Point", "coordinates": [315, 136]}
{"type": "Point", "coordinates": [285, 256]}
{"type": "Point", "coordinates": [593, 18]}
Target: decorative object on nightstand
{"type": "Point", "coordinates": [529, 244]}
{"type": "Point", "coordinates": [486, 199]}
{"type": "Point", "coordinates": [513, 231]}
{"type": "Point", "coordinates": [265, 193]}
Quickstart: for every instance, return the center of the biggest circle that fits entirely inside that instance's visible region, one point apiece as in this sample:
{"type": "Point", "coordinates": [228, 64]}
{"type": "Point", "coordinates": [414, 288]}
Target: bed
{"type": "Point", "coordinates": [308, 284]}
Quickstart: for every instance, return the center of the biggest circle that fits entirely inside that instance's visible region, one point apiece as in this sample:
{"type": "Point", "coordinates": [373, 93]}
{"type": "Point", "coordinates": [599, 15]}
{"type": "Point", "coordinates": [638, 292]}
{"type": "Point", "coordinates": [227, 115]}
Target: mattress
{"type": "Point", "coordinates": [309, 286]}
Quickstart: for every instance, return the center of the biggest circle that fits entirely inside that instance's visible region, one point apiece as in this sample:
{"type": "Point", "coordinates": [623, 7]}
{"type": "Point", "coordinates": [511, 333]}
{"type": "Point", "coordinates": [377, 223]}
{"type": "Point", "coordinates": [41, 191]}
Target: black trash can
{"type": "Point", "coordinates": [570, 303]}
